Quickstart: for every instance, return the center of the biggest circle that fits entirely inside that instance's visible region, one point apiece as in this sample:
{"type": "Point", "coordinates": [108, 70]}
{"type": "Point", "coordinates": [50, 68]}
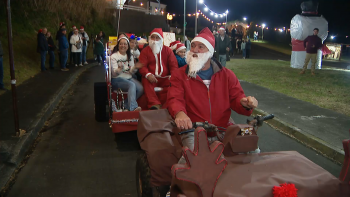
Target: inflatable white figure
{"type": "Point", "coordinates": [302, 26]}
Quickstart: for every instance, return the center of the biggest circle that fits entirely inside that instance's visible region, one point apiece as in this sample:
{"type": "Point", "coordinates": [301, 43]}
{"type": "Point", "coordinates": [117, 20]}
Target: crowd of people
{"type": "Point", "coordinates": [76, 43]}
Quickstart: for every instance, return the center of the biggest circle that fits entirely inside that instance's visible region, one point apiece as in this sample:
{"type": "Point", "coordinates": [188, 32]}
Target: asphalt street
{"type": "Point", "coordinates": [77, 156]}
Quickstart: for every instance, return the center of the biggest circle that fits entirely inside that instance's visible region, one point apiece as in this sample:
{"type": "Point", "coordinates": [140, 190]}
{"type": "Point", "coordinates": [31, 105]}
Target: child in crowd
{"type": "Point", "coordinates": [180, 54]}
{"type": "Point", "coordinates": [133, 48]}
{"type": "Point", "coordinates": [123, 67]}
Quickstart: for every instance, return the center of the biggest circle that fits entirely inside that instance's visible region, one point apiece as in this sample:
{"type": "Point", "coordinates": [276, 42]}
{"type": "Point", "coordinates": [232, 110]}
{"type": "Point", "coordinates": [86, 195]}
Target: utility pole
{"type": "Point", "coordinates": [12, 68]}
{"type": "Point", "coordinates": [195, 25]}
{"type": "Point", "coordinates": [184, 19]}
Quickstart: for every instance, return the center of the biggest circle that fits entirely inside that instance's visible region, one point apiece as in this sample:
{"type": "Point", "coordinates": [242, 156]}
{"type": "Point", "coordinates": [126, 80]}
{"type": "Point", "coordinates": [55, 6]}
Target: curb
{"type": "Point", "coordinates": [19, 150]}
{"type": "Point", "coordinates": [324, 148]}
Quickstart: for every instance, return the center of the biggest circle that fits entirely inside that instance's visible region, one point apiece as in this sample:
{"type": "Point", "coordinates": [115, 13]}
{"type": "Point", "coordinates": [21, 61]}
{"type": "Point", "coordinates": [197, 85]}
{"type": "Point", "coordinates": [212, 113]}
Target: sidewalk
{"type": "Point", "coordinates": [37, 98]}
{"type": "Point", "coordinates": [321, 129]}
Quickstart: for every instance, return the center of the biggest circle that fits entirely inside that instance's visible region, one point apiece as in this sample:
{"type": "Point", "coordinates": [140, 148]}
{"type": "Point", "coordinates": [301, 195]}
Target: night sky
{"type": "Point", "coordinates": [274, 13]}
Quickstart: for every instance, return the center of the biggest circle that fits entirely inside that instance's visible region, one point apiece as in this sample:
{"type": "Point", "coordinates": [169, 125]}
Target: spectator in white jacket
{"type": "Point", "coordinates": [123, 67]}
{"type": "Point", "coordinates": [77, 44]}
{"type": "Point", "coordinates": [85, 39]}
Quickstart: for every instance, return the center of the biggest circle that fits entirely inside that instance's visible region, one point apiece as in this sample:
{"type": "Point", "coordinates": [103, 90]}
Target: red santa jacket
{"type": "Point", "coordinates": [148, 60]}
{"type": "Point", "coordinates": [202, 104]}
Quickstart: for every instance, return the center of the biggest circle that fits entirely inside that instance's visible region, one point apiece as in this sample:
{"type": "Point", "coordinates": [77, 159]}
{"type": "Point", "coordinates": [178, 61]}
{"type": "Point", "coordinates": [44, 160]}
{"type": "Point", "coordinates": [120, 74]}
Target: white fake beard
{"type": "Point", "coordinates": [156, 46]}
{"type": "Point", "coordinates": [197, 63]}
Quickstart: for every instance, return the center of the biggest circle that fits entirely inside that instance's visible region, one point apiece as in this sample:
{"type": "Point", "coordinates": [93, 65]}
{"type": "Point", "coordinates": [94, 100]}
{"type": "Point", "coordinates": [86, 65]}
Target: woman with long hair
{"type": "Point", "coordinates": [123, 67]}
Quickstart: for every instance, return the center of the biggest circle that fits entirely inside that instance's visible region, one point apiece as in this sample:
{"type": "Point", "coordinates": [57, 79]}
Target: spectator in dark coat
{"type": "Point", "coordinates": [99, 50]}
{"type": "Point", "coordinates": [63, 50]}
{"type": "Point", "coordinates": [248, 47]}
{"type": "Point", "coordinates": [52, 49]}
{"type": "Point", "coordinates": [222, 46]}
{"type": "Point", "coordinates": [42, 48]}
{"type": "Point", "coordinates": [2, 87]}
{"type": "Point", "coordinates": [58, 36]}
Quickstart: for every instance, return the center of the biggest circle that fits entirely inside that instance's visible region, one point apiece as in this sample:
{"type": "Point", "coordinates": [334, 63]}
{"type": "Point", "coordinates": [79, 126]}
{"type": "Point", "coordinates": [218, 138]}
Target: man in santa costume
{"type": "Point", "coordinates": [204, 90]}
{"type": "Point", "coordinates": [159, 63]}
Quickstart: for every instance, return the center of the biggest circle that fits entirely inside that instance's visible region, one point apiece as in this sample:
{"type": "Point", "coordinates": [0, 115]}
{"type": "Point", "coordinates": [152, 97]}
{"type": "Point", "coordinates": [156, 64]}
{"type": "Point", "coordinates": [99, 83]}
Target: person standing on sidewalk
{"type": "Point", "coordinates": [63, 50]}
{"type": "Point", "coordinates": [58, 36]}
{"type": "Point", "coordinates": [243, 45]}
{"type": "Point", "coordinates": [52, 48]}
{"type": "Point", "coordinates": [85, 39]}
{"type": "Point", "coordinates": [70, 46]}
{"type": "Point", "coordinates": [76, 42]}
{"type": "Point", "coordinates": [2, 86]}
{"type": "Point", "coordinates": [313, 44]}
{"type": "Point", "coordinates": [99, 50]}
{"type": "Point", "coordinates": [222, 46]}
{"type": "Point", "coordinates": [42, 48]}
{"type": "Point", "coordinates": [248, 46]}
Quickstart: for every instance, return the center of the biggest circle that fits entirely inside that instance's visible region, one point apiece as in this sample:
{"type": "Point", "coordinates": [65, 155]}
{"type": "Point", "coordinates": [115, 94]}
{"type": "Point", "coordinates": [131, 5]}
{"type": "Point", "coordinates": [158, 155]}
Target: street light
{"type": "Point", "coordinates": [262, 29]}
{"type": "Point", "coordinates": [244, 18]}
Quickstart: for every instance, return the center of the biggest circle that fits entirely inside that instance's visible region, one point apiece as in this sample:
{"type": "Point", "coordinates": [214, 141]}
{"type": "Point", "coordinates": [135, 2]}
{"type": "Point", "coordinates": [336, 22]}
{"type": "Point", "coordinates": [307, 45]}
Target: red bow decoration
{"type": "Point", "coordinates": [286, 190]}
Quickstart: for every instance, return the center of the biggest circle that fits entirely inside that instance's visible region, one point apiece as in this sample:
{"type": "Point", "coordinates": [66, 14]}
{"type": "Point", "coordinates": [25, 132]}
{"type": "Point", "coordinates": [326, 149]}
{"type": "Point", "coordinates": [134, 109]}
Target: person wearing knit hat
{"type": "Point", "coordinates": [222, 46]}
{"type": "Point", "coordinates": [180, 53]}
{"type": "Point", "coordinates": [86, 40]}
{"type": "Point", "coordinates": [159, 62]}
{"type": "Point", "coordinates": [204, 90]}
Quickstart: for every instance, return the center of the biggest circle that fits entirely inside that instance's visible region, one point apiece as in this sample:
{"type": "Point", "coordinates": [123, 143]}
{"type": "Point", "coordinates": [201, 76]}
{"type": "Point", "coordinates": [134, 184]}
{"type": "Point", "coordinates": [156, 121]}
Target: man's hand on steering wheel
{"type": "Point", "coordinates": [249, 102]}
{"type": "Point", "coordinates": [151, 78]}
{"type": "Point", "coordinates": [183, 121]}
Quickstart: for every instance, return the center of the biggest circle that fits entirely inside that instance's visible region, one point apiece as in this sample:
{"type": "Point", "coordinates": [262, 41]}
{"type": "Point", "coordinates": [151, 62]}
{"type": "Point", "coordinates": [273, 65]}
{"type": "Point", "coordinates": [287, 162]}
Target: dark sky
{"type": "Point", "coordinates": [274, 13]}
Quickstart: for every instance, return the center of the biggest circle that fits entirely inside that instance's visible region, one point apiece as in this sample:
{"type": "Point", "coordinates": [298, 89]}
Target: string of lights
{"type": "Point", "coordinates": [212, 13]}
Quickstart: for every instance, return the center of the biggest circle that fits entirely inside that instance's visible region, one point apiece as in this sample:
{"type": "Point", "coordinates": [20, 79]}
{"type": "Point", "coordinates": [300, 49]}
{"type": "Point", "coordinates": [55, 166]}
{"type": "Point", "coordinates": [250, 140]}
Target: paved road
{"type": "Point", "coordinates": [77, 156]}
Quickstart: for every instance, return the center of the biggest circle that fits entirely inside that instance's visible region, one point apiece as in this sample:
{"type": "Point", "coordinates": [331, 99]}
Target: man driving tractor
{"type": "Point", "coordinates": [204, 90]}
{"type": "Point", "coordinates": [158, 62]}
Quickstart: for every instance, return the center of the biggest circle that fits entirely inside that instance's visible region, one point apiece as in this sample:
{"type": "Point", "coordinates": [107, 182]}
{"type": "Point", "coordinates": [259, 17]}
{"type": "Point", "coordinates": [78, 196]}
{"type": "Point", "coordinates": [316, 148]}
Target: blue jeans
{"type": "Point", "coordinates": [83, 54]}
{"type": "Point", "coordinates": [43, 59]}
{"type": "Point", "coordinates": [244, 52]}
{"type": "Point", "coordinates": [99, 57]}
{"type": "Point", "coordinates": [64, 58]}
{"type": "Point", "coordinates": [52, 59]}
{"type": "Point", "coordinates": [1, 74]}
{"type": "Point", "coordinates": [222, 60]}
{"type": "Point", "coordinates": [133, 87]}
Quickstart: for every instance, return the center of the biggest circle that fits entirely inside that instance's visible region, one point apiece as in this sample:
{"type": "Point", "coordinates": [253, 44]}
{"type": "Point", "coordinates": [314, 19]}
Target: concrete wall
{"type": "Point", "coordinates": [139, 22]}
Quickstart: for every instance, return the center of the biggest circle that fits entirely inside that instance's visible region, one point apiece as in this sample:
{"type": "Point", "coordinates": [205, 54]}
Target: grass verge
{"type": "Point", "coordinates": [328, 89]}
{"type": "Point", "coordinates": [276, 46]}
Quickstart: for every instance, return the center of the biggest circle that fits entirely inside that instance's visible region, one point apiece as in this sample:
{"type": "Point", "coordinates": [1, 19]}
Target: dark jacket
{"type": "Point", "coordinates": [99, 48]}
{"type": "Point", "coordinates": [220, 46]}
{"type": "Point", "coordinates": [70, 35]}
{"type": "Point", "coordinates": [1, 50]}
{"type": "Point", "coordinates": [313, 44]}
{"type": "Point", "coordinates": [63, 43]}
{"type": "Point", "coordinates": [51, 44]}
{"type": "Point", "coordinates": [248, 45]}
{"type": "Point", "coordinates": [59, 34]}
{"type": "Point", "coordinates": [42, 43]}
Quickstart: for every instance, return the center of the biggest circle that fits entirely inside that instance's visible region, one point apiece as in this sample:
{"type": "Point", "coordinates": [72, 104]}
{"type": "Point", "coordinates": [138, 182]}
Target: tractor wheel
{"type": "Point", "coordinates": [143, 176]}
{"type": "Point", "coordinates": [101, 101]}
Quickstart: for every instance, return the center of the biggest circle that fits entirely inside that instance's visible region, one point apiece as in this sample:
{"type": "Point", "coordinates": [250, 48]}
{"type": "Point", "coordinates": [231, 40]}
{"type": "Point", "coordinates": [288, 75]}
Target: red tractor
{"type": "Point", "coordinates": [109, 102]}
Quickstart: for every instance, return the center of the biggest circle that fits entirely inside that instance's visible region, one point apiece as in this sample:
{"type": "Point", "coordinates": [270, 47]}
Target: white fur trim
{"type": "Point", "coordinates": [222, 29]}
{"type": "Point", "coordinates": [123, 38]}
{"type": "Point", "coordinates": [148, 74]}
{"type": "Point", "coordinates": [179, 49]}
{"type": "Point", "coordinates": [205, 42]}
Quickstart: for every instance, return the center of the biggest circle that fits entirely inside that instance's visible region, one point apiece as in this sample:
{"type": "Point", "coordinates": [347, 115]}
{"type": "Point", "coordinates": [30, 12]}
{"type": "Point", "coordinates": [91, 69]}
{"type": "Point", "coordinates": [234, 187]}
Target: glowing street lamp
{"type": "Point", "coordinates": [244, 18]}
{"type": "Point", "coordinates": [206, 9]}
{"type": "Point", "coordinates": [262, 29]}
{"type": "Point", "coordinates": [201, 1]}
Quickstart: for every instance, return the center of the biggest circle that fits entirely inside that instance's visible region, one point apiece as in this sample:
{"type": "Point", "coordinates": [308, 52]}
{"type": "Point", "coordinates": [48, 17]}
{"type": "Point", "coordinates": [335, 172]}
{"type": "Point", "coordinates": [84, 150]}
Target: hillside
{"type": "Point", "coordinates": [31, 15]}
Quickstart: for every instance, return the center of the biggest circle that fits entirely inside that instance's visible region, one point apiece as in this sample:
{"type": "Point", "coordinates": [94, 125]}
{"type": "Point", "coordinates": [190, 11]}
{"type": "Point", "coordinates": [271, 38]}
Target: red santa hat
{"type": "Point", "coordinates": [158, 32]}
{"type": "Point", "coordinates": [61, 24]}
{"type": "Point", "coordinates": [179, 47]}
{"type": "Point", "coordinates": [74, 27]}
{"type": "Point", "coordinates": [81, 27]}
{"type": "Point", "coordinates": [174, 44]}
{"type": "Point", "coordinates": [207, 38]}
{"type": "Point", "coordinates": [222, 28]}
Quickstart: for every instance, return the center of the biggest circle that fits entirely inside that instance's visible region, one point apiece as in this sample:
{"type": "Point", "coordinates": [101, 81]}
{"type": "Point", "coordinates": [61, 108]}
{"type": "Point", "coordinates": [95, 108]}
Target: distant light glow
{"type": "Point", "coordinates": [201, 1]}
{"type": "Point", "coordinates": [263, 25]}
{"type": "Point", "coordinates": [212, 13]}
{"type": "Point", "coordinates": [245, 18]}
{"type": "Point", "coordinates": [332, 37]}
{"type": "Point", "coordinates": [206, 9]}
{"type": "Point", "coordinates": [141, 4]}
{"type": "Point", "coordinates": [226, 11]}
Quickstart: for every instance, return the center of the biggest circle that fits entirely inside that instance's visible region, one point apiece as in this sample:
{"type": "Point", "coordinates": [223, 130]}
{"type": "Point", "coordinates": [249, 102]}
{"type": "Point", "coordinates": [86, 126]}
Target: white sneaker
{"type": "Point", "coordinates": [80, 65]}
{"type": "Point", "coordinates": [86, 63]}
{"type": "Point", "coordinates": [76, 65]}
